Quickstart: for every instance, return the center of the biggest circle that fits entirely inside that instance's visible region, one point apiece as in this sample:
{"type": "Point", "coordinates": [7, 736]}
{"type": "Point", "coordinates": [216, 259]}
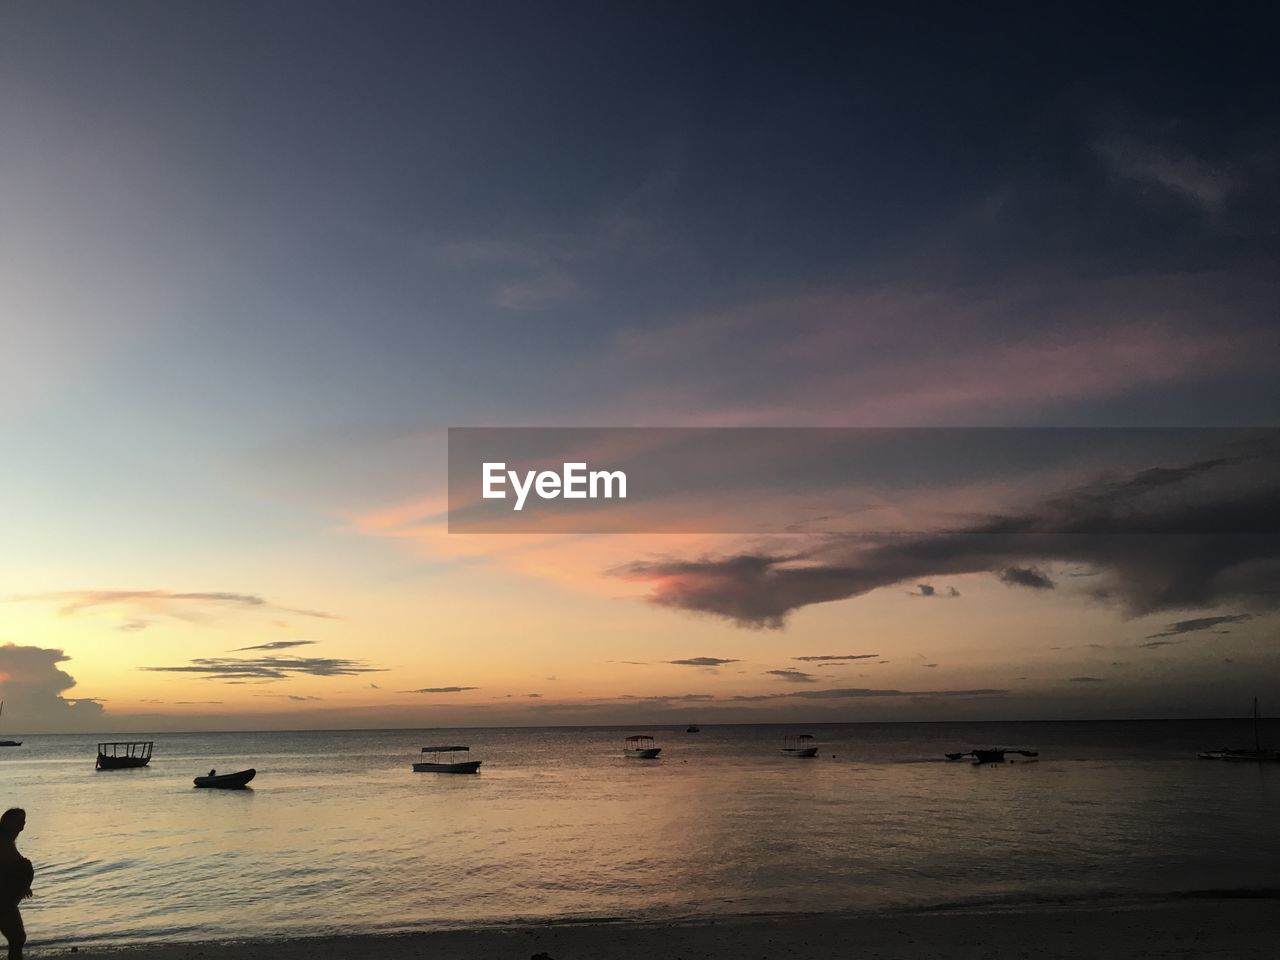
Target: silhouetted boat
{"type": "Point", "coordinates": [799, 745]}
{"type": "Point", "coordinates": [640, 747]}
{"type": "Point", "coordinates": [227, 781]}
{"type": "Point", "coordinates": [121, 754]}
{"type": "Point", "coordinates": [693, 728]}
{"type": "Point", "coordinates": [990, 754]}
{"type": "Point", "coordinates": [8, 743]}
{"type": "Point", "coordinates": [1257, 754]}
{"type": "Point", "coordinates": [436, 765]}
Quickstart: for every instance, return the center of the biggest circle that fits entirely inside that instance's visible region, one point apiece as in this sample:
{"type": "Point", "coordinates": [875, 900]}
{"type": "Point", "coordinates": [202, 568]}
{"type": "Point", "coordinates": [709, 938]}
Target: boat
{"type": "Point", "coordinates": [436, 765]}
{"type": "Point", "coordinates": [799, 745]}
{"type": "Point", "coordinates": [227, 781]}
{"type": "Point", "coordinates": [693, 728]}
{"type": "Point", "coordinates": [122, 754]}
{"type": "Point", "coordinates": [8, 743]}
{"type": "Point", "coordinates": [990, 754]}
{"type": "Point", "coordinates": [1257, 754]}
{"type": "Point", "coordinates": [640, 747]}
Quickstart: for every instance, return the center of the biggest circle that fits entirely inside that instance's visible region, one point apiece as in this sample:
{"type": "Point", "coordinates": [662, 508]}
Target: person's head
{"type": "Point", "coordinates": [12, 822]}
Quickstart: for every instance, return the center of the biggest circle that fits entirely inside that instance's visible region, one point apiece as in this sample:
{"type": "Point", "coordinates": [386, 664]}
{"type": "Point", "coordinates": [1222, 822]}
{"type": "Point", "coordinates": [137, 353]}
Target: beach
{"type": "Point", "coordinates": [1203, 928]}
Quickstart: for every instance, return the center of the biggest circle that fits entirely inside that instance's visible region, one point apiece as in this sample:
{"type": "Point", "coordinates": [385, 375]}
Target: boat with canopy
{"type": "Point", "coordinates": [440, 761]}
{"type": "Point", "coordinates": [640, 747]}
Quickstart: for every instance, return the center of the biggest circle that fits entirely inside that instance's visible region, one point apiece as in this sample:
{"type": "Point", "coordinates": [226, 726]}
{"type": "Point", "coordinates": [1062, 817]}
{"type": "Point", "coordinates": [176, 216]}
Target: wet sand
{"type": "Point", "coordinates": [1238, 929]}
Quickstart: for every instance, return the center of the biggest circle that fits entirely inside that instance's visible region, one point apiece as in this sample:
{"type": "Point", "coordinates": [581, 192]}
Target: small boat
{"type": "Point", "coordinates": [640, 748]}
{"type": "Point", "coordinates": [122, 754]}
{"type": "Point", "coordinates": [693, 728]}
{"type": "Point", "coordinates": [436, 765]}
{"type": "Point", "coordinates": [8, 743]}
{"type": "Point", "coordinates": [990, 754]}
{"type": "Point", "coordinates": [799, 745]}
{"type": "Point", "coordinates": [227, 781]}
{"type": "Point", "coordinates": [1257, 754]}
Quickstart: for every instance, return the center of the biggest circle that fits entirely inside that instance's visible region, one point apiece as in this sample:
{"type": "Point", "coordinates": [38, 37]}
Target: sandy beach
{"type": "Point", "coordinates": [1210, 928]}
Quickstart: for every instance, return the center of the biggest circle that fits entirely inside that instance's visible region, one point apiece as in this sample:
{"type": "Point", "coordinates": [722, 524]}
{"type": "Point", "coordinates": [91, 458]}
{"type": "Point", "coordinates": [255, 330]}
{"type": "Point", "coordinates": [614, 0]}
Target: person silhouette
{"type": "Point", "coordinates": [16, 875]}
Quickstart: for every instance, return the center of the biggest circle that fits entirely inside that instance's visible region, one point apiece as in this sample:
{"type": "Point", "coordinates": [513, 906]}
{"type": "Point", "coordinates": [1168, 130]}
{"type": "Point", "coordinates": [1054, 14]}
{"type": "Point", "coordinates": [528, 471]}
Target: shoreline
{"type": "Point", "coordinates": [1229, 925]}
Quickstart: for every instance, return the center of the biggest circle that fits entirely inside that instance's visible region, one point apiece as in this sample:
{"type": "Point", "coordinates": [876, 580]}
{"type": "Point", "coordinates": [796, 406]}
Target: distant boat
{"type": "Point", "coordinates": [693, 728]}
{"type": "Point", "coordinates": [8, 743]}
{"type": "Point", "coordinates": [1257, 754]}
{"type": "Point", "coordinates": [799, 745]}
{"type": "Point", "coordinates": [640, 748]}
{"type": "Point", "coordinates": [121, 754]}
{"type": "Point", "coordinates": [990, 755]}
{"type": "Point", "coordinates": [227, 781]}
{"type": "Point", "coordinates": [436, 765]}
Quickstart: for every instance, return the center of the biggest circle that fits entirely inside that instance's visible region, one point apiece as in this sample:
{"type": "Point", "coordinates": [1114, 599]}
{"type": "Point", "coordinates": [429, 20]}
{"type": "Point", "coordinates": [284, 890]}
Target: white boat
{"type": "Point", "coordinates": [437, 765]}
{"type": "Point", "coordinates": [799, 745]}
{"type": "Point", "coordinates": [1257, 754]}
{"type": "Point", "coordinates": [640, 748]}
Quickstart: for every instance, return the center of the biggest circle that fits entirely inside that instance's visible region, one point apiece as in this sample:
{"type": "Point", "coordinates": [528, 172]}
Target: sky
{"type": "Point", "coordinates": [256, 259]}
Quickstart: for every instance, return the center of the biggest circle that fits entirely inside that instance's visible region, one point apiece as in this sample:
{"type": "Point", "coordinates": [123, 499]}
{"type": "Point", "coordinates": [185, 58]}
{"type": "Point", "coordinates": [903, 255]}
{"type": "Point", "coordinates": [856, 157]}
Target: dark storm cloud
{"type": "Point", "coordinates": [269, 668]}
{"type": "Point", "coordinates": [702, 662]}
{"type": "Point", "coordinates": [1197, 624]}
{"type": "Point", "coordinates": [1226, 512]}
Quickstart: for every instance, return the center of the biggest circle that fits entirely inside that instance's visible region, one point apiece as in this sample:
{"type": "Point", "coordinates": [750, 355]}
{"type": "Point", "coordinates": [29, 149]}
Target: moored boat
{"type": "Point", "coordinates": [1257, 754]}
{"type": "Point", "coordinates": [123, 754]}
{"type": "Point", "coordinates": [799, 745]}
{"type": "Point", "coordinates": [227, 781]}
{"type": "Point", "coordinates": [8, 743]}
{"type": "Point", "coordinates": [640, 747]}
{"type": "Point", "coordinates": [990, 754]}
{"type": "Point", "coordinates": [438, 765]}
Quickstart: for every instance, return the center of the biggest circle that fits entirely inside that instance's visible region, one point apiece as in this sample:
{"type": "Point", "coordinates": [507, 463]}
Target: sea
{"type": "Point", "coordinates": [337, 834]}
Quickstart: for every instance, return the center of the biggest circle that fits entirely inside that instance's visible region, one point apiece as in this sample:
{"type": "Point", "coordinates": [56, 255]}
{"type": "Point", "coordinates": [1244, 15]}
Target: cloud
{"type": "Point", "coordinates": [1175, 172]}
{"type": "Point", "coordinates": [269, 668]}
{"type": "Point", "coordinates": [1179, 627]}
{"type": "Point", "coordinates": [702, 662]}
{"type": "Point", "coordinates": [929, 591]}
{"type": "Point", "coordinates": [32, 686]}
{"type": "Point", "coordinates": [1086, 680]}
{"type": "Point", "coordinates": [793, 676]}
{"type": "Point", "coordinates": [863, 693]}
{"type": "Point", "coordinates": [193, 607]}
{"type": "Point", "coordinates": [1031, 577]}
{"type": "Point", "coordinates": [276, 645]}
{"type": "Point", "coordinates": [839, 656]}
{"type": "Point", "coordinates": [1194, 535]}
{"type": "Point", "coordinates": [442, 690]}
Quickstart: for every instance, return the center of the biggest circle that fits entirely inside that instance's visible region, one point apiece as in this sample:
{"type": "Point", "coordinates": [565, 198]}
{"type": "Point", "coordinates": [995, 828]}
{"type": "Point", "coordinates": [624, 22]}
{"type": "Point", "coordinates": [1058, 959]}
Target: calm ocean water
{"type": "Point", "coordinates": [338, 835]}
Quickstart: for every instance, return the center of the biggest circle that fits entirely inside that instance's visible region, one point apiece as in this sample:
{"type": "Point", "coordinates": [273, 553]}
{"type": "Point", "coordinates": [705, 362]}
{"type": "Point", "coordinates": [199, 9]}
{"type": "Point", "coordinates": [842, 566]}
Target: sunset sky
{"type": "Point", "coordinates": [255, 259]}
